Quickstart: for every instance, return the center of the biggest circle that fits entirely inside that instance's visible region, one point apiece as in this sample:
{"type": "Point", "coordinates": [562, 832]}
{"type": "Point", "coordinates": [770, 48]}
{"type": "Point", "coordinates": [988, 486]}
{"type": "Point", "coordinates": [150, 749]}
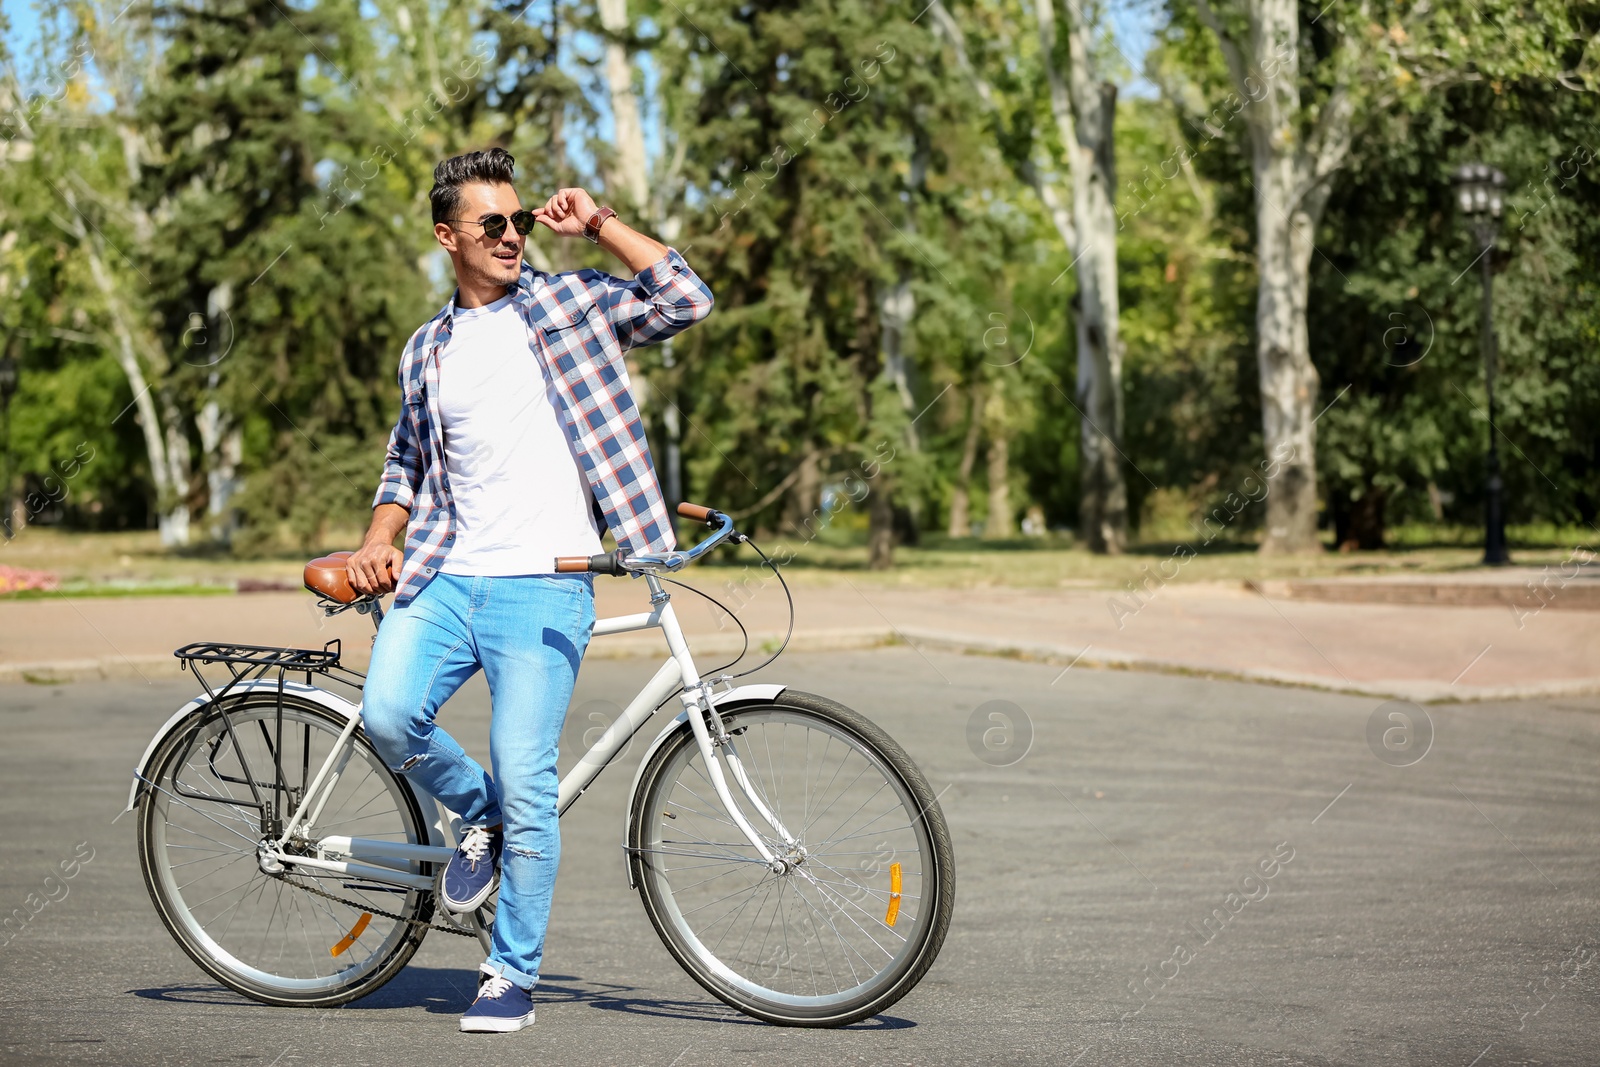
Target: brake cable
{"type": "Point", "coordinates": [787, 595]}
{"type": "Point", "coordinates": [716, 672]}
{"type": "Point", "coordinates": [723, 608]}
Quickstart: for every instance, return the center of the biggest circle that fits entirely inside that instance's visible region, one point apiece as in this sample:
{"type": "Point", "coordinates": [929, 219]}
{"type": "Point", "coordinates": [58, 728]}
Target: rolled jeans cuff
{"type": "Point", "coordinates": [511, 974]}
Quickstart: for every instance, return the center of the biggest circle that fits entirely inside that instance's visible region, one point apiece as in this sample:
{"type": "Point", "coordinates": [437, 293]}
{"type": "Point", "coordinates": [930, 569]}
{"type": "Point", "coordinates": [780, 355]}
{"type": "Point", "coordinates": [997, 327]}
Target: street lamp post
{"type": "Point", "coordinates": [1478, 192]}
{"type": "Point", "coordinates": [8, 388]}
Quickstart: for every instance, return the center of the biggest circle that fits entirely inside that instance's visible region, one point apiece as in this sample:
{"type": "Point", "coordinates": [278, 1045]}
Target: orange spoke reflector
{"type": "Point", "coordinates": [894, 895]}
{"type": "Point", "coordinates": [361, 924]}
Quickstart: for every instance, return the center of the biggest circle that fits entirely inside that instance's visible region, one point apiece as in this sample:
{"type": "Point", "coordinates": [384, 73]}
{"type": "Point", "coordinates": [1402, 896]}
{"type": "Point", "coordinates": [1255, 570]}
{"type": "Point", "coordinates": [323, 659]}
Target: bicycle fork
{"type": "Point", "coordinates": [700, 711]}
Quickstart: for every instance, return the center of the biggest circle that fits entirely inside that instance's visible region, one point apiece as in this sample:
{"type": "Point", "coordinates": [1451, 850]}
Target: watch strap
{"type": "Point", "coordinates": [591, 229]}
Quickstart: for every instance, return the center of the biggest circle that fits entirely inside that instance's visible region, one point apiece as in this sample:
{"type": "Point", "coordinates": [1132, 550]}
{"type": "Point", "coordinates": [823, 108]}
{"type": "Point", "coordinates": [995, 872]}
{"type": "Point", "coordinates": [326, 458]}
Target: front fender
{"type": "Point", "coordinates": [742, 694]}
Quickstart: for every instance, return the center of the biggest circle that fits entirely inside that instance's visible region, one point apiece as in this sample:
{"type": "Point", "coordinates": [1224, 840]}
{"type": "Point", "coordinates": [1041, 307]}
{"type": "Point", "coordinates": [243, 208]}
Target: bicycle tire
{"type": "Point", "coordinates": [365, 971]}
{"type": "Point", "coordinates": [661, 806]}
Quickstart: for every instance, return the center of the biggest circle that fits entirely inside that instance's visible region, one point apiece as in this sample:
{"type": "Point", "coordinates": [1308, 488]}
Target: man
{"type": "Point", "coordinates": [517, 432]}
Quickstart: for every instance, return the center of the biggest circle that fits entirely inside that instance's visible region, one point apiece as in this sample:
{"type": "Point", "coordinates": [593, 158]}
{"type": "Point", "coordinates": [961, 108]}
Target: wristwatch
{"type": "Point", "coordinates": [591, 229]}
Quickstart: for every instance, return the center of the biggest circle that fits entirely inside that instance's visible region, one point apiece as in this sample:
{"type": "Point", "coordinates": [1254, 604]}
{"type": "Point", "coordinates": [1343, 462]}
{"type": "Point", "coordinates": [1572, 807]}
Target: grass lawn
{"type": "Point", "coordinates": [134, 563]}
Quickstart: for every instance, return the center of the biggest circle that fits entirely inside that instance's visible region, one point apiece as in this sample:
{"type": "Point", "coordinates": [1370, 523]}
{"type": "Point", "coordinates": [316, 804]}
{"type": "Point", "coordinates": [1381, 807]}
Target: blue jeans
{"type": "Point", "coordinates": [528, 633]}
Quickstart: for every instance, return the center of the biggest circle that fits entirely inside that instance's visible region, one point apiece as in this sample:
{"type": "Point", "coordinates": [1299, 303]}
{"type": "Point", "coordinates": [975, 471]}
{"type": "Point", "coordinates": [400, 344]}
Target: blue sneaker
{"type": "Point", "coordinates": [473, 873]}
{"type": "Point", "coordinates": [502, 1007]}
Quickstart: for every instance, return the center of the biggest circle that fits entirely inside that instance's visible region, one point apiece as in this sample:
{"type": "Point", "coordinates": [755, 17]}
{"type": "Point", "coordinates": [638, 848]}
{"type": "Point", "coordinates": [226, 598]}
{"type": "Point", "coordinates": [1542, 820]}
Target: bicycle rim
{"type": "Point", "coordinates": [256, 932]}
{"type": "Point", "coordinates": [855, 923]}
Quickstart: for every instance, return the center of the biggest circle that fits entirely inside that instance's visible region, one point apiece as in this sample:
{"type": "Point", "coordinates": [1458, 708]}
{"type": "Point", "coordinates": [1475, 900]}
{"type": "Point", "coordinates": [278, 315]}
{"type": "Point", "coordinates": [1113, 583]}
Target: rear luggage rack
{"type": "Point", "coordinates": [245, 663]}
{"type": "Point", "coordinates": [316, 660]}
{"type": "Point", "coordinates": [250, 669]}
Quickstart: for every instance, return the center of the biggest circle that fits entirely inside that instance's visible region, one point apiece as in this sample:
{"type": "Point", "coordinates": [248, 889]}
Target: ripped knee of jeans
{"type": "Point", "coordinates": [412, 762]}
{"type": "Point", "coordinates": [525, 853]}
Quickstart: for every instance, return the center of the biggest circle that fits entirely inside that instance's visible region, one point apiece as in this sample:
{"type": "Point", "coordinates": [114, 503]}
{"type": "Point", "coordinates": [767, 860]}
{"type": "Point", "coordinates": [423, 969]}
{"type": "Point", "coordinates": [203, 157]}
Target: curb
{"type": "Point", "coordinates": [165, 668]}
{"type": "Point", "coordinates": [1523, 599]}
{"type": "Point", "coordinates": [55, 672]}
{"type": "Point", "coordinates": [1426, 692]}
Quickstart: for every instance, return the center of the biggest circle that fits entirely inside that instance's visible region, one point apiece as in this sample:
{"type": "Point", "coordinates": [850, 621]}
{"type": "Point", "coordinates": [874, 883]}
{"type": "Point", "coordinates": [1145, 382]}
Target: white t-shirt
{"type": "Point", "coordinates": [520, 496]}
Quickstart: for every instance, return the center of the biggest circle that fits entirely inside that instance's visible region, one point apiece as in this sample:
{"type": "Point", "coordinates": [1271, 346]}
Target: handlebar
{"type": "Point", "coordinates": [620, 561]}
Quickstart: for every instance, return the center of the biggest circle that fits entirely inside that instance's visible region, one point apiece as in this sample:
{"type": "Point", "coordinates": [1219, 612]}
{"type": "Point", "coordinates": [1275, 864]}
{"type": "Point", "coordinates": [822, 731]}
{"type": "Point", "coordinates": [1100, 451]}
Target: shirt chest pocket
{"type": "Point", "coordinates": [578, 344]}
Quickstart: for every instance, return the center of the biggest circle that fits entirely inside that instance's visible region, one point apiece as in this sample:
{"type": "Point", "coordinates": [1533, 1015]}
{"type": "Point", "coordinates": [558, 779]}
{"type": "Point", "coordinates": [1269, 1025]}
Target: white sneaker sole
{"type": "Point", "coordinates": [496, 1026]}
{"type": "Point", "coordinates": [475, 903]}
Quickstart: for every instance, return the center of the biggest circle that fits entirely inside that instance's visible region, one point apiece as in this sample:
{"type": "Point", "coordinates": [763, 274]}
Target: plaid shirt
{"type": "Point", "coordinates": [579, 324]}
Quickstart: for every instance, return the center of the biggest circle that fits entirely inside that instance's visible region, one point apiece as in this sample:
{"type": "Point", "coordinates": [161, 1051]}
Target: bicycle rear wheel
{"type": "Point", "coordinates": [255, 931]}
{"type": "Point", "coordinates": [860, 915]}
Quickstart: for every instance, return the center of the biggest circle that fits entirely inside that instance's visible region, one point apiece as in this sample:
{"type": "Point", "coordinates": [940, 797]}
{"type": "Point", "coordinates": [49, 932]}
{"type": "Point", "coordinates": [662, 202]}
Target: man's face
{"type": "Point", "coordinates": [497, 261]}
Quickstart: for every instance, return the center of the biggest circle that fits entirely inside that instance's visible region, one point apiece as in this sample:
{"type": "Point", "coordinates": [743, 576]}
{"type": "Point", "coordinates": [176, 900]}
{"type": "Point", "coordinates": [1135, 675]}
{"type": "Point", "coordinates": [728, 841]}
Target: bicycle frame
{"type": "Point", "coordinates": [391, 862]}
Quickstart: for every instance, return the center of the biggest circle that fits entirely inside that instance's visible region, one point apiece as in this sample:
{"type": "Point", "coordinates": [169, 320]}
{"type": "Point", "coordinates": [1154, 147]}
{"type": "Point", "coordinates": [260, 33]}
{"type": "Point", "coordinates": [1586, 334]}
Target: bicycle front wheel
{"type": "Point", "coordinates": [861, 910]}
{"type": "Point", "coordinates": [223, 784]}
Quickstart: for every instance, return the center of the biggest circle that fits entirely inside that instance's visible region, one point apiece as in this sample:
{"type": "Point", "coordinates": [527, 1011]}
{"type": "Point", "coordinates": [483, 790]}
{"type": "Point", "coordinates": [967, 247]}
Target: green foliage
{"type": "Point", "coordinates": [254, 176]}
{"type": "Point", "coordinates": [1396, 312]}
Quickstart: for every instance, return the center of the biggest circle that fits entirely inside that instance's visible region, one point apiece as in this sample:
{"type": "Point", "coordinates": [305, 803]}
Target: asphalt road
{"type": "Point", "coordinates": [1438, 913]}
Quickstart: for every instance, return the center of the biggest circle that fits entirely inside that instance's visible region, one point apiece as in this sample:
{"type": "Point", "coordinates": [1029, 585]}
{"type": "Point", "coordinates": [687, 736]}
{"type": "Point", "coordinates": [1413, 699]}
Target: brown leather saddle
{"type": "Point", "coordinates": [326, 577]}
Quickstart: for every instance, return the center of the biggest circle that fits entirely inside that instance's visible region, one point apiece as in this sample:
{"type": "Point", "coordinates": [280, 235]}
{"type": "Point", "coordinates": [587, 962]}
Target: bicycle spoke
{"type": "Point", "coordinates": [268, 933]}
{"type": "Point", "coordinates": [817, 930]}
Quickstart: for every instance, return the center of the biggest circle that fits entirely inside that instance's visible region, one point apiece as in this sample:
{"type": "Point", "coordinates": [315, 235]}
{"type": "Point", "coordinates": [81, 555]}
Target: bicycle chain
{"type": "Point", "coordinates": [375, 910]}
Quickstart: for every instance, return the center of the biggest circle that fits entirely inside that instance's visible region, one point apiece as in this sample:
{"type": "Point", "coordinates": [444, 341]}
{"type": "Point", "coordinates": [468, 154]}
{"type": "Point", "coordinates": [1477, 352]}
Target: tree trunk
{"type": "Point", "coordinates": [1361, 525]}
{"type": "Point", "coordinates": [1085, 109]}
{"type": "Point", "coordinates": [998, 524]}
{"type": "Point", "coordinates": [960, 497]}
{"type": "Point", "coordinates": [896, 309]}
{"type": "Point", "coordinates": [803, 502]}
{"type": "Point", "coordinates": [1103, 502]}
{"type": "Point", "coordinates": [173, 518]}
{"type": "Point", "coordinates": [169, 505]}
{"type": "Point", "coordinates": [220, 442]}
{"type": "Point", "coordinates": [166, 446]}
{"type": "Point", "coordinates": [880, 523]}
{"type": "Point", "coordinates": [221, 446]}
{"type": "Point", "coordinates": [1293, 161]}
{"type": "Point", "coordinates": [1283, 358]}
{"type": "Point", "coordinates": [630, 177]}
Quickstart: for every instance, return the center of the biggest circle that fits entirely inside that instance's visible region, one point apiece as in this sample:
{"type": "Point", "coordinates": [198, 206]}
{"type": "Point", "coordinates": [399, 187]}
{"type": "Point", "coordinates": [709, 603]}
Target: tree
{"type": "Point", "coordinates": [1082, 108]}
{"type": "Point", "coordinates": [1398, 308]}
{"type": "Point", "coordinates": [1303, 90]}
{"type": "Point", "coordinates": [274, 197]}
{"type": "Point", "coordinates": [1295, 149]}
{"type": "Point", "coordinates": [801, 126]}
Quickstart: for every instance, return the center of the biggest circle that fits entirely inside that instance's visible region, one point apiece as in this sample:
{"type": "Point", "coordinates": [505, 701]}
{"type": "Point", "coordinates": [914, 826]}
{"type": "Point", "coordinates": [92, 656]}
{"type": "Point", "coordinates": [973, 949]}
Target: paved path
{"type": "Point", "coordinates": [1419, 651]}
{"type": "Point", "coordinates": [1443, 913]}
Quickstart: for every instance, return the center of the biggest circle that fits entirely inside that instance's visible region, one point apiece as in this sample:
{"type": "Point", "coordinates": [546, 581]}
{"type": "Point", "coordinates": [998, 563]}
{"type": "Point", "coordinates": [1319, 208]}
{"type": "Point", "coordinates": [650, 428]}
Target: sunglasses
{"type": "Point", "coordinates": [495, 225]}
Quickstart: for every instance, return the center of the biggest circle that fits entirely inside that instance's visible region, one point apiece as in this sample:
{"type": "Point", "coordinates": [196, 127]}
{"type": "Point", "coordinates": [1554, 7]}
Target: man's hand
{"type": "Point", "coordinates": [567, 213]}
{"type": "Point", "coordinates": [570, 210]}
{"type": "Point", "coordinates": [374, 569]}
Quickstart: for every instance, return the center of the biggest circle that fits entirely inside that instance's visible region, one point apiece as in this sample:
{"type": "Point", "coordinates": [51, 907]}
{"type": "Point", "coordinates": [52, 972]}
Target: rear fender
{"type": "Point", "coordinates": [440, 829]}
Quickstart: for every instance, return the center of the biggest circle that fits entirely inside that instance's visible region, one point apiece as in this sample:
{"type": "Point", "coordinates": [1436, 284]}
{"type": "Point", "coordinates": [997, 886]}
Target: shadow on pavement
{"type": "Point", "coordinates": [447, 991]}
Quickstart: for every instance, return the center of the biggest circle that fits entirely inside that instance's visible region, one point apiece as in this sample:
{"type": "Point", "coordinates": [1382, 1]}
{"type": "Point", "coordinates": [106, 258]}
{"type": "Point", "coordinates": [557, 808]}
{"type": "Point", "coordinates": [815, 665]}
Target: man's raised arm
{"type": "Point", "coordinates": [665, 297]}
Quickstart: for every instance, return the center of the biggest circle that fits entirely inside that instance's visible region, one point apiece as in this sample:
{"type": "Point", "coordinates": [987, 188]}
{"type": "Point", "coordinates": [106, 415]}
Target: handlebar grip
{"type": "Point", "coordinates": [604, 563]}
{"type": "Point", "coordinates": [698, 512]}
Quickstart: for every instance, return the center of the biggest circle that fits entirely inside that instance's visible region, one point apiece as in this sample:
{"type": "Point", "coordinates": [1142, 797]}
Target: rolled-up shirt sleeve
{"type": "Point", "coordinates": [662, 300]}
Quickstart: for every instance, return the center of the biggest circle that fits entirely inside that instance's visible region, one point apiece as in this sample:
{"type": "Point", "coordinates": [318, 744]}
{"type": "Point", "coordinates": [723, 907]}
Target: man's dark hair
{"type": "Point", "coordinates": [494, 166]}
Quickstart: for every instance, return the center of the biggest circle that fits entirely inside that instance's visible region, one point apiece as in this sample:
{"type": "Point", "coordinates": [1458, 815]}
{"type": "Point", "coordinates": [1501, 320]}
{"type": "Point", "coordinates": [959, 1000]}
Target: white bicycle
{"type": "Point", "coordinates": [791, 856]}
